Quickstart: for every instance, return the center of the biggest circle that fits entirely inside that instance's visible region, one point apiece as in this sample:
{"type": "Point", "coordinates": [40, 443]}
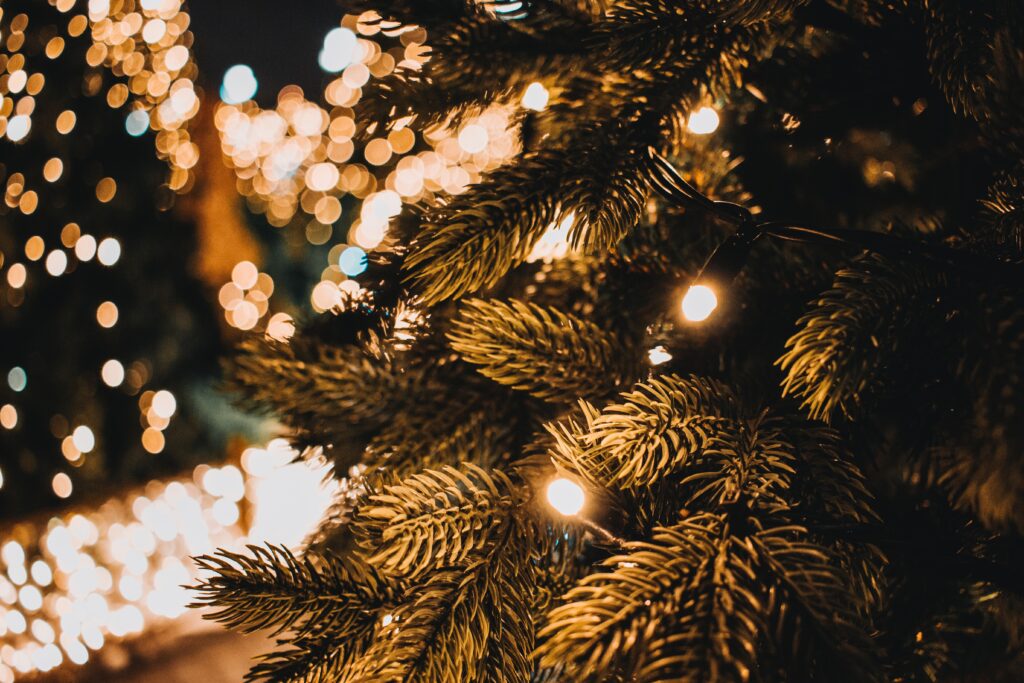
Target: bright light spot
{"type": "Point", "coordinates": [659, 355]}
{"type": "Point", "coordinates": [112, 373]}
{"type": "Point", "coordinates": [12, 553]}
{"type": "Point", "coordinates": [352, 261]}
{"type": "Point", "coordinates": [107, 314]}
{"type": "Point", "coordinates": [700, 301]}
{"type": "Point", "coordinates": [17, 379]}
{"type": "Point", "coordinates": [554, 243]}
{"type": "Point", "coordinates": [18, 127]}
{"type": "Point", "coordinates": [109, 251]}
{"type": "Point", "coordinates": [137, 123]}
{"type": "Point", "coordinates": [8, 416]}
{"type": "Point", "coordinates": [56, 262]}
{"type": "Point", "coordinates": [703, 121]}
{"type": "Point", "coordinates": [473, 138]}
{"type": "Point", "coordinates": [239, 84]}
{"type": "Point", "coordinates": [85, 247]}
{"type": "Point", "coordinates": [339, 47]}
{"type": "Point", "coordinates": [62, 485]}
{"type": "Point", "coordinates": [566, 496]}
{"type": "Point", "coordinates": [245, 274]}
{"type": "Point", "coordinates": [280, 327]}
{"type": "Point", "coordinates": [388, 618]}
{"type": "Point", "coordinates": [83, 438]}
{"type": "Point", "coordinates": [41, 573]}
{"type": "Point", "coordinates": [176, 57]}
{"type": "Point", "coordinates": [154, 30]}
{"type": "Point", "coordinates": [30, 598]}
{"type": "Point", "coordinates": [164, 403]}
{"type": "Point", "coordinates": [225, 512]}
{"type": "Point", "coordinates": [535, 97]}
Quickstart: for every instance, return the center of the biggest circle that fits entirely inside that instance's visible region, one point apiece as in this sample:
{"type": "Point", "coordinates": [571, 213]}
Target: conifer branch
{"type": "Point", "coordinates": [550, 354]}
{"type": "Point", "coordinates": [433, 520]}
{"type": "Point", "coordinates": [833, 363]}
{"type": "Point", "coordinates": [274, 589]}
{"type": "Point", "coordinates": [654, 432]}
{"type": "Point", "coordinates": [457, 621]}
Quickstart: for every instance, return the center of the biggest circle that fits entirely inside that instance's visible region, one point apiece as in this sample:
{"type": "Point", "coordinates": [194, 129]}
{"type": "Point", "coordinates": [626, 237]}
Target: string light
{"type": "Point", "coordinates": [535, 98]}
{"type": "Point", "coordinates": [295, 162]}
{"type": "Point", "coordinates": [566, 496]}
{"type": "Point", "coordinates": [704, 121]}
{"type": "Point", "coordinates": [699, 303]}
{"type": "Point", "coordinates": [74, 584]}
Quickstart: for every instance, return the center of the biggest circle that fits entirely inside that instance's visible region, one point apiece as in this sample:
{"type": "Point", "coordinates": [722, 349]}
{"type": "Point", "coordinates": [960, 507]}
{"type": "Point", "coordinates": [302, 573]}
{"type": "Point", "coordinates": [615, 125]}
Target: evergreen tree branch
{"type": "Point", "coordinates": [679, 607]}
{"type": "Point", "coordinates": [550, 354]}
{"type": "Point", "coordinates": [458, 623]}
{"type": "Point", "coordinates": [274, 589]}
{"type": "Point", "coordinates": [654, 432]}
{"type": "Point", "coordinates": [433, 520]}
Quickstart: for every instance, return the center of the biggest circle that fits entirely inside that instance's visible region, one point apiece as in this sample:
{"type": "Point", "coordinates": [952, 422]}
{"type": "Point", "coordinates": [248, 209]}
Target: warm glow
{"type": "Point", "coordinates": [535, 97]}
{"type": "Point", "coordinates": [703, 121]}
{"type": "Point", "coordinates": [700, 301]}
{"type": "Point", "coordinates": [566, 496]}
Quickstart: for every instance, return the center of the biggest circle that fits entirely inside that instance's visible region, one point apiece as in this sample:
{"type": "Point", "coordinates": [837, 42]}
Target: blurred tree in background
{"type": "Point", "coordinates": [106, 330]}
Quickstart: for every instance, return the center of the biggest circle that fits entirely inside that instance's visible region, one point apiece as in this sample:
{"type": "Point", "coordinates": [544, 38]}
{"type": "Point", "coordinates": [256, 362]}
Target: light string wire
{"type": "Point", "coordinates": [674, 188]}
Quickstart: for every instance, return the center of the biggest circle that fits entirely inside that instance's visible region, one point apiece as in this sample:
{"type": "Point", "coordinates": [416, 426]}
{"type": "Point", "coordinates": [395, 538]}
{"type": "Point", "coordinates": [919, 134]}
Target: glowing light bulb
{"type": "Point", "coordinates": [703, 121]}
{"type": "Point", "coordinates": [700, 301]}
{"type": "Point", "coordinates": [239, 84]}
{"type": "Point", "coordinates": [535, 97]}
{"type": "Point", "coordinates": [566, 496]}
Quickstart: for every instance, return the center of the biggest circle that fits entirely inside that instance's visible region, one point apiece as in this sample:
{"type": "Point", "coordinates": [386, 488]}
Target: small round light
{"type": "Point", "coordinates": [699, 303]}
{"type": "Point", "coordinates": [352, 261]}
{"type": "Point", "coordinates": [703, 121]}
{"type": "Point", "coordinates": [566, 496]}
{"type": "Point", "coordinates": [239, 84]}
{"type": "Point", "coordinates": [535, 97]}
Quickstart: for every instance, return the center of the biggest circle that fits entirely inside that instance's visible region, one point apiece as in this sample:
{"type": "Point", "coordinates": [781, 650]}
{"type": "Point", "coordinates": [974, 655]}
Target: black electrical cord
{"type": "Point", "coordinates": [673, 187]}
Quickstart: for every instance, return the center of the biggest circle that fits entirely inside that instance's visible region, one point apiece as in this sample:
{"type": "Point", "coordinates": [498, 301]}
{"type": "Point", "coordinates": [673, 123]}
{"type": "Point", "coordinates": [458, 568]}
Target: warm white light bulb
{"type": "Point", "coordinates": [703, 121]}
{"type": "Point", "coordinates": [700, 301]}
{"type": "Point", "coordinates": [566, 496]}
{"type": "Point", "coordinates": [535, 97]}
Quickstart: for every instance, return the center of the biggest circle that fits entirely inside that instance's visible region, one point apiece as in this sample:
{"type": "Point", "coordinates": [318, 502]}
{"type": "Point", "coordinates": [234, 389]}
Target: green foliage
{"type": "Point", "coordinates": [273, 589]}
{"type": "Point", "coordinates": [548, 353]}
{"type": "Point", "coordinates": [653, 433]}
{"type": "Point", "coordinates": [433, 520]}
{"type": "Point", "coordinates": [834, 363]}
{"type": "Point", "coordinates": [464, 623]}
{"type": "Point", "coordinates": [727, 535]}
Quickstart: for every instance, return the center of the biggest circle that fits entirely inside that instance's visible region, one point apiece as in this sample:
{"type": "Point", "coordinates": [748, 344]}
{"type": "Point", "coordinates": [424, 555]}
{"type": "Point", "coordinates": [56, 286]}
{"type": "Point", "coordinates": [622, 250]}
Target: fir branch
{"type": "Point", "coordinates": [473, 241]}
{"type": "Point", "coordinates": [433, 520]}
{"type": "Point", "coordinates": [458, 620]}
{"type": "Point", "coordinates": [550, 354]}
{"type": "Point", "coordinates": [834, 363]}
{"type": "Point", "coordinates": [960, 50]}
{"type": "Point", "coordinates": [654, 432]}
{"type": "Point", "coordinates": [307, 659]}
{"type": "Point", "coordinates": [815, 616]}
{"type": "Point", "coordinates": [274, 589]}
{"type": "Point", "coordinates": [679, 607]}
{"type": "Point", "coordinates": [444, 430]}
{"type": "Point", "coordinates": [751, 464]}
{"type": "Point", "coordinates": [322, 390]}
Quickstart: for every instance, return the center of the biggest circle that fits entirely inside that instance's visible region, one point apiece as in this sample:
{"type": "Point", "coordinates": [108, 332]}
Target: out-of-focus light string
{"type": "Point", "coordinates": [296, 162]}
{"type": "Point", "coordinates": [72, 583]}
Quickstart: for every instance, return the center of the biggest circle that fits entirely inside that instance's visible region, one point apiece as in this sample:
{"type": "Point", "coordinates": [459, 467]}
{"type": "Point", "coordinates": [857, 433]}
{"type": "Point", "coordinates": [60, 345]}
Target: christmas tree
{"type": "Point", "coordinates": [106, 330]}
{"type": "Point", "coordinates": [720, 379]}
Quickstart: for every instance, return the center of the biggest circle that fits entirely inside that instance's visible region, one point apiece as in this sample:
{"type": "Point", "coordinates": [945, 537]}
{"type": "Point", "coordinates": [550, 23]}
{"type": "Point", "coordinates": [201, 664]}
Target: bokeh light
{"type": "Point", "coordinates": [239, 84]}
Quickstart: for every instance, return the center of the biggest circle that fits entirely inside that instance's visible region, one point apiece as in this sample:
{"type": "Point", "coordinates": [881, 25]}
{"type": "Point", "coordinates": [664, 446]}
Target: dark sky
{"type": "Point", "coordinates": [279, 39]}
